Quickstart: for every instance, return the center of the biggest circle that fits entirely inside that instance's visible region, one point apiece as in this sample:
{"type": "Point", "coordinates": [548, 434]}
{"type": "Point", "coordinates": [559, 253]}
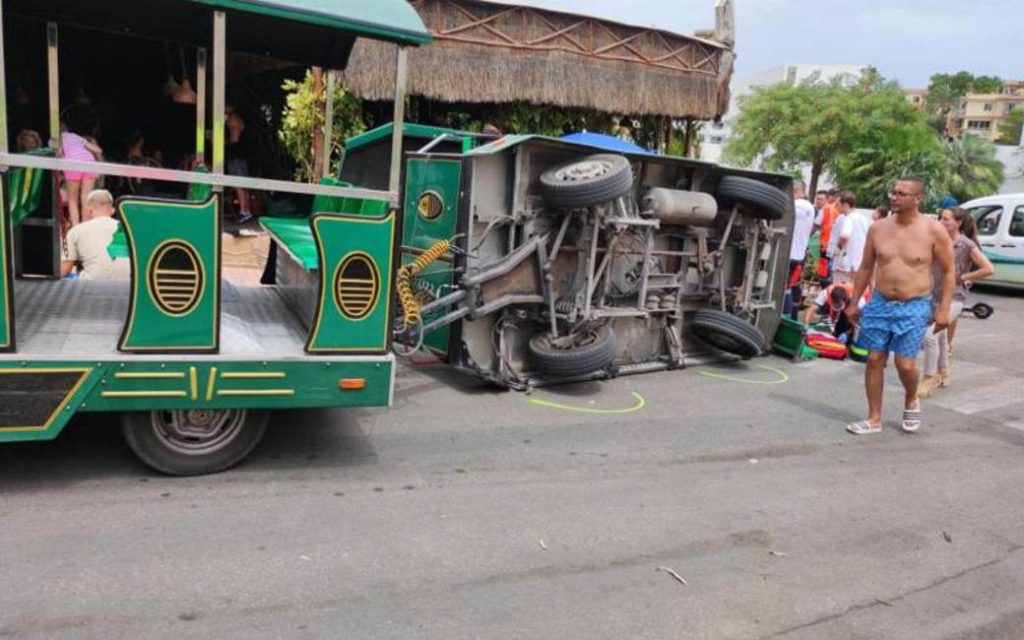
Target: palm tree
{"type": "Point", "coordinates": [973, 170]}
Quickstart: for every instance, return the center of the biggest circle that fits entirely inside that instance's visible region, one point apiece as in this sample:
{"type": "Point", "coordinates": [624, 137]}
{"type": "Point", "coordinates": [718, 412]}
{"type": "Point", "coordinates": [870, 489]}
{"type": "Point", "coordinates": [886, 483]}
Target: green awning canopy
{"type": "Point", "coordinates": [307, 32]}
{"type": "Point", "coordinates": [384, 19]}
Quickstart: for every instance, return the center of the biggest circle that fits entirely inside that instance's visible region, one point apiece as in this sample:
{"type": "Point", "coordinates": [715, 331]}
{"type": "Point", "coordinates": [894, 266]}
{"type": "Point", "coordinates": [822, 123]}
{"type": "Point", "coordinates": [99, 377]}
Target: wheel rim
{"type": "Point", "coordinates": [197, 432]}
{"type": "Point", "coordinates": [570, 343]}
{"type": "Point", "coordinates": [582, 171]}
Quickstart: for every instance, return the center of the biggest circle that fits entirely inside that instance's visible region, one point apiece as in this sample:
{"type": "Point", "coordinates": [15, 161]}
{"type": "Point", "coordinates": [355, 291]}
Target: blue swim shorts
{"type": "Point", "coordinates": [895, 326]}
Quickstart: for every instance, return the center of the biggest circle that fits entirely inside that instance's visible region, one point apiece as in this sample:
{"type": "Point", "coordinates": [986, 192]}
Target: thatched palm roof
{"type": "Point", "coordinates": [492, 52]}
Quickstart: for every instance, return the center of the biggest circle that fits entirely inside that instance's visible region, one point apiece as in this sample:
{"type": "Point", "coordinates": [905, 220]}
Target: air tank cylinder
{"type": "Point", "coordinates": [680, 208]}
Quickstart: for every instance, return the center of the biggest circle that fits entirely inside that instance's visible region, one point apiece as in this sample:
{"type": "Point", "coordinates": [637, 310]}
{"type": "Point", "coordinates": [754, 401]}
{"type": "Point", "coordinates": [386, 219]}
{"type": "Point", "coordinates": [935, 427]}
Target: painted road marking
{"type": "Point", "coordinates": [783, 376]}
{"type": "Point", "coordinates": [640, 403]}
{"type": "Point", "coordinates": [976, 397]}
{"type": "Point", "coordinates": [1017, 424]}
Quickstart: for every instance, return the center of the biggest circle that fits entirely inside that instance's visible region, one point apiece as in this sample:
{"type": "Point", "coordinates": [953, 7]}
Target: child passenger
{"type": "Point", "coordinates": [79, 183]}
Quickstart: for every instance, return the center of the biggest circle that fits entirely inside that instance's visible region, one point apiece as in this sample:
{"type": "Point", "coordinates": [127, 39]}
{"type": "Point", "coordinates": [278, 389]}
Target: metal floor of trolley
{"type": "Point", "coordinates": [75, 320]}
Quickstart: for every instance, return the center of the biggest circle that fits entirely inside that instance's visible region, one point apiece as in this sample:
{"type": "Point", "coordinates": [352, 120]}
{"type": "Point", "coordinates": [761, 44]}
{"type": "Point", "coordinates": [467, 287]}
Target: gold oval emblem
{"type": "Point", "coordinates": [176, 277]}
{"type": "Point", "coordinates": [356, 286]}
{"type": "Point", "coordinates": [430, 204]}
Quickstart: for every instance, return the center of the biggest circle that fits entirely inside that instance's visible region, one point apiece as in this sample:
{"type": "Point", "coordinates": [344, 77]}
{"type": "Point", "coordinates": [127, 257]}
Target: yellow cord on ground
{"type": "Point", "coordinates": [403, 283]}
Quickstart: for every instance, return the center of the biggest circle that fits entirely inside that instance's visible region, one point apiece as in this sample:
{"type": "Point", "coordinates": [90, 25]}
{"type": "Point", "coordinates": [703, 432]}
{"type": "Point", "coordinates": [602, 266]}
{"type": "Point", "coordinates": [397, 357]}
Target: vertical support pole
{"type": "Point", "coordinates": [401, 79]}
{"type": "Point", "coordinates": [688, 135]}
{"type": "Point", "coordinates": [4, 148]}
{"type": "Point", "coordinates": [328, 123]}
{"type": "Point", "coordinates": [201, 105]}
{"type": "Point", "coordinates": [53, 75]}
{"type": "Point", "coordinates": [54, 81]}
{"type": "Point", "coordinates": [219, 87]}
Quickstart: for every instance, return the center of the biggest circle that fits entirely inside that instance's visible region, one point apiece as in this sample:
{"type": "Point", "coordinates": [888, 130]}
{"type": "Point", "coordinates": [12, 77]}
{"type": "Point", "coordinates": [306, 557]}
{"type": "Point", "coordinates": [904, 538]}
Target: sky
{"type": "Point", "coordinates": [907, 40]}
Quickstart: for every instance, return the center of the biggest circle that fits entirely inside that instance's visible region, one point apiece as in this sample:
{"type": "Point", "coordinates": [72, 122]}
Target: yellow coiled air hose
{"type": "Point", "coordinates": [410, 304]}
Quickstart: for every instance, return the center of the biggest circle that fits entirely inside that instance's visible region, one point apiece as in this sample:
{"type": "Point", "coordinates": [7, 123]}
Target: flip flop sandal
{"type": "Point", "coordinates": [911, 420]}
{"type": "Point", "coordinates": [863, 428]}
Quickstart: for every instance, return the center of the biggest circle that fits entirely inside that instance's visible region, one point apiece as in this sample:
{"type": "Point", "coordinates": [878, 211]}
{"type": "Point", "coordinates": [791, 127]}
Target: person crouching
{"type": "Point", "coordinates": [86, 243]}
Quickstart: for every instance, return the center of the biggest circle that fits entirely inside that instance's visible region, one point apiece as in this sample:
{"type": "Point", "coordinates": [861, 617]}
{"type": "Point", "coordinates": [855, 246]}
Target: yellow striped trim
{"type": "Point", "coordinates": [209, 385]}
{"type": "Point", "coordinates": [149, 375]}
{"type": "Point", "coordinates": [256, 392]}
{"type": "Point", "coordinates": [178, 272]}
{"type": "Point", "coordinates": [251, 375]}
{"type": "Point", "coordinates": [143, 394]}
{"type": "Point", "coordinates": [193, 383]}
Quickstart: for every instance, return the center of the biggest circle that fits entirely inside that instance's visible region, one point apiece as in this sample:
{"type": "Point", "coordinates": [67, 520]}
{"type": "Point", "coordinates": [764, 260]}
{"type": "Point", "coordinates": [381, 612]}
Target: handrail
{"type": "Point", "coordinates": [191, 177]}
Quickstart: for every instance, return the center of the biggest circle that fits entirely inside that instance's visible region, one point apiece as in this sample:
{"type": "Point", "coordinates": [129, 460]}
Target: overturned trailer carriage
{"type": "Point", "coordinates": [531, 260]}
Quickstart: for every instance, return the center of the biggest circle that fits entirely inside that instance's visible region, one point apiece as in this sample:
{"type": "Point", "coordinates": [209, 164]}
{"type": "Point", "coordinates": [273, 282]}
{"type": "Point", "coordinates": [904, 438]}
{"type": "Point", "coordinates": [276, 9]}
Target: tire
{"type": "Point", "coordinates": [201, 441]}
{"type": "Point", "coordinates": [766, 202]}
{"type": "Point", "coordinates": [593, 350]}
{"type": "Point", "coordinates": [982, 311]}
{"type": "Point", "coordinates": [592, 180]}
{"type": "Point", "coordinates": [727, 332]}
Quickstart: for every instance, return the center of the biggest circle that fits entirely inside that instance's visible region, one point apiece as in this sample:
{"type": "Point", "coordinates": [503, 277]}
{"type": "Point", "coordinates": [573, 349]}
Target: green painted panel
{"type": "Point", "coordinates": [62, 389]}
{"type": "Point", "coordinates": [356, 263]}
{"type": "Point", "coordinates": [175, 250]}
{"type": "Point", "coordinates": [197, 191]}
{"type": "Point", "coordinates": [425, 176]}
{"type": "Point", "coordinates": [26, 191]}
{"type": "Point", "coordinates": [118, 247]}
{"type": "Point", "coordinates": [296, 236]}
{"type": "Point", "coordinates": [6, 283]}
{"type": "Point", "coordinates": [409, 130]}
{"type": "Point", "coordinates": [291, 384]}
{"type": "Point", "coordinates": [422, 229]}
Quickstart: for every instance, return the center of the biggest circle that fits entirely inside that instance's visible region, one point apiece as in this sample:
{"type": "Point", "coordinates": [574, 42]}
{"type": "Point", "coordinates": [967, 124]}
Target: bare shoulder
{"type": "Point", "coordinates": [937, 231]}
{"type": "Point", "coordinates": [880, 227]}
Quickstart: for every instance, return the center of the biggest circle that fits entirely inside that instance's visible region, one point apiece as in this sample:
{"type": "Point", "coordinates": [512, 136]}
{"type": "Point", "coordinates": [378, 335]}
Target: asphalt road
{"type": "Point", "coordinates": [468, 513]}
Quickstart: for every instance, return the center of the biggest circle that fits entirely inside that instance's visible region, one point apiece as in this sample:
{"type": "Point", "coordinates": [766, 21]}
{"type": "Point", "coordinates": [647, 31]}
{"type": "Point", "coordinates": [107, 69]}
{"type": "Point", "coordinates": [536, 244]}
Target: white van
{"type": "Point", "coordinates": [1000, 222]}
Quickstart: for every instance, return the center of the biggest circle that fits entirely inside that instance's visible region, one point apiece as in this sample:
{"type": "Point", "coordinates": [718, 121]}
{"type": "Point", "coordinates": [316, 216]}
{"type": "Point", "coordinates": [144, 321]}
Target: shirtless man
{"type": "Point", "coordinates": [898, 256]}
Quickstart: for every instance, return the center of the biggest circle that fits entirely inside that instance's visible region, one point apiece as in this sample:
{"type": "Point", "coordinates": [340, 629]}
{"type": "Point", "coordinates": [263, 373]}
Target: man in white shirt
{"type": "Point", "coordinates": [853, 235]}
{"type": "Point", "coordinates": [86, 243]}
{"type": "Point", "coordinates": [802, 225]}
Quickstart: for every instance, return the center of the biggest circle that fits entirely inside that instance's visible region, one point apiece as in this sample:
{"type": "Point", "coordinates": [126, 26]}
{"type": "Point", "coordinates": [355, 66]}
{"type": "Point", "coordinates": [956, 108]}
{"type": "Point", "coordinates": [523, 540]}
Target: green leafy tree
{"type": "Point", "coordinates": [813, 123]}
{"type": "Point", "coordinates": [1010, 129]}
{"type": "Point", "coordinates": [972, 171]}
{"type": "Point", "coordinates": [885, 153]}
{"type": "Point", "coordinates": [946, 89]}
{"type": "Point", "coordinates": [784, 126]}
{"type": "Point", "coordinates": [987, 84]}
{"type": "Point", "coordinates": [303, 117]}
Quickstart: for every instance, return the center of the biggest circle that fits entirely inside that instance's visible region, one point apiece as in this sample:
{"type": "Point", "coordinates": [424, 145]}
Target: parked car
{"type": "Point", "coordinates": [1000, 221]}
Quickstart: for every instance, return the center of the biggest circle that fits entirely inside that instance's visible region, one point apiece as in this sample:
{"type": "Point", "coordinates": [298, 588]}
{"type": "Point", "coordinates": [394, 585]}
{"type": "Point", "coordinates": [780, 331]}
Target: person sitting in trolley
{"type": "Point", "coordinates": [86, 243]}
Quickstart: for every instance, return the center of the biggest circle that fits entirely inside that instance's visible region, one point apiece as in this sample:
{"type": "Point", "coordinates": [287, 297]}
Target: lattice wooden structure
{"type": "Point", "coordinates": [491, 52]}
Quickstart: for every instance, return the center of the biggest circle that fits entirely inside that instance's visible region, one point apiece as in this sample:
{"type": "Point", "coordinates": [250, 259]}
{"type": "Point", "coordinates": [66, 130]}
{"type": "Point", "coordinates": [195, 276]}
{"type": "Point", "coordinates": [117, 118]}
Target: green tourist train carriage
{"type": "Point", "coordinates": [193, 362]}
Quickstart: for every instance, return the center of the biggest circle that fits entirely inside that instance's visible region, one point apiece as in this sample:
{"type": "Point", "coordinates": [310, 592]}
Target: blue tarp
{"type": "Point", "coordinates": [604, 141]}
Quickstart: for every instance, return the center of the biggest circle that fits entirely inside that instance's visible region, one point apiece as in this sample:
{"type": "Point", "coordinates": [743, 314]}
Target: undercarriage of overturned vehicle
{"type": "Point", "coordinates": [601, 277]}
